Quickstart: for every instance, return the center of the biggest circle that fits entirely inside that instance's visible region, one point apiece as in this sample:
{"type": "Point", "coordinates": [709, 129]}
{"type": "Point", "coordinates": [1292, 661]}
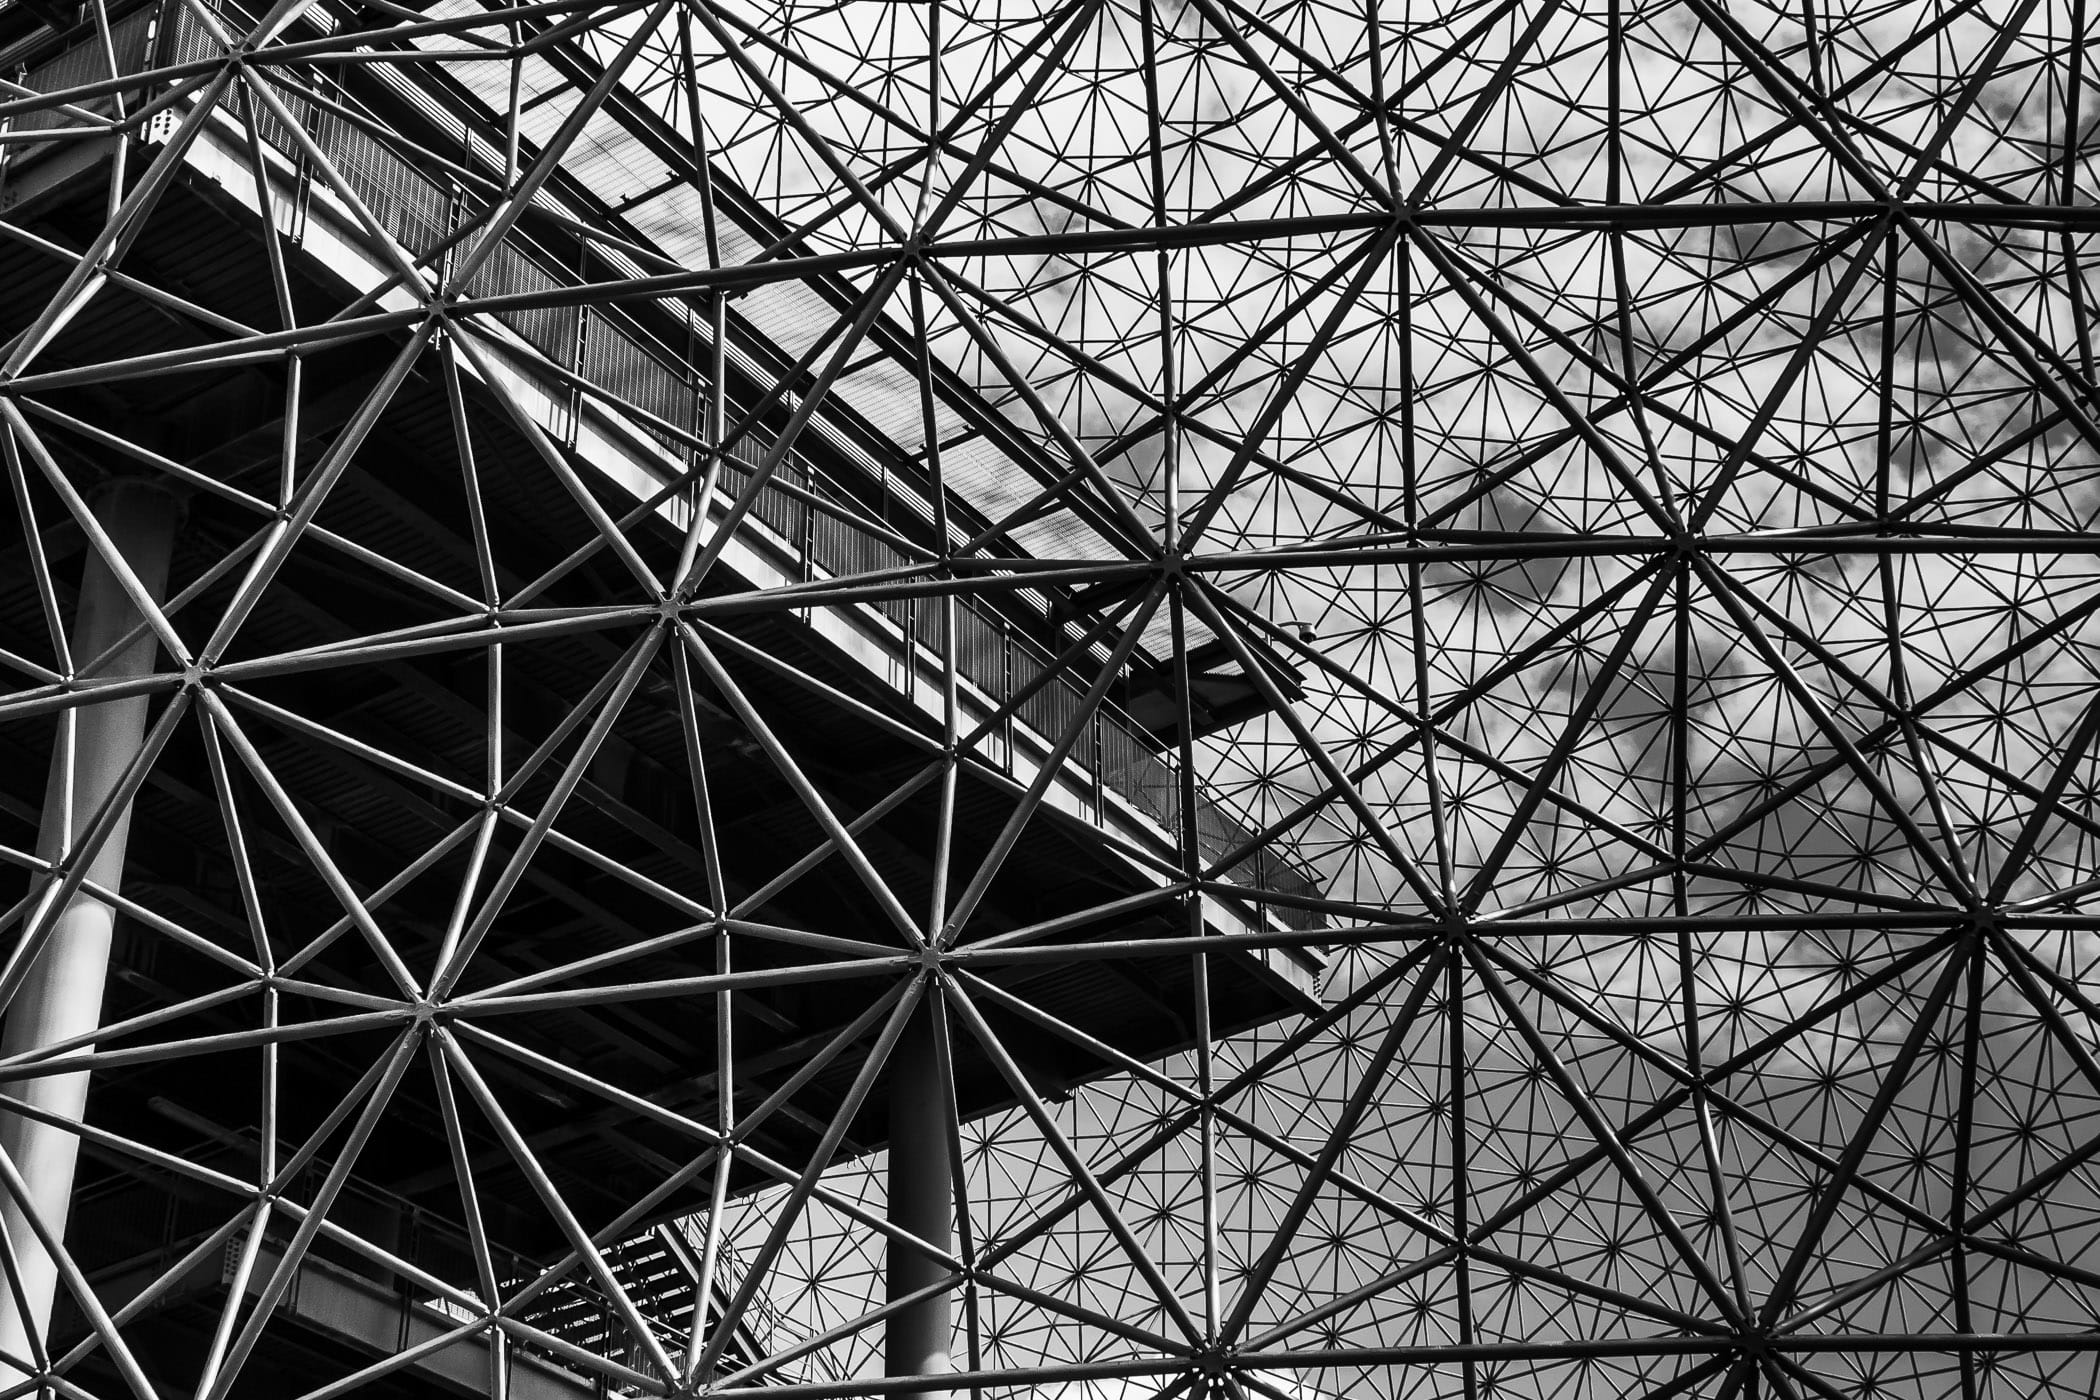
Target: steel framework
{"type": "Point", "coordinates": [1111, 698]}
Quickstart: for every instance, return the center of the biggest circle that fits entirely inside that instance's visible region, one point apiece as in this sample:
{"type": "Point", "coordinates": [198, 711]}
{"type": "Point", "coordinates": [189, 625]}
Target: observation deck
{"type": "Point", "coordinates": [481, 489]}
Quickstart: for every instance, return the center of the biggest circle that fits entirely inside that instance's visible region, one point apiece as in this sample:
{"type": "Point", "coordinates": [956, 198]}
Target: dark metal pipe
{"type": "Point", "coordinates": [918, 1338]}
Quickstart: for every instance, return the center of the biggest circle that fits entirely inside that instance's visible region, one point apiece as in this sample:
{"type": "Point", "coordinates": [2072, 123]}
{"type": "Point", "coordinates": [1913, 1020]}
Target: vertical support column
{"type": "Point", "coordinates": [62, 996]}
{"type": "Point", "coordinates": [917, 1340]}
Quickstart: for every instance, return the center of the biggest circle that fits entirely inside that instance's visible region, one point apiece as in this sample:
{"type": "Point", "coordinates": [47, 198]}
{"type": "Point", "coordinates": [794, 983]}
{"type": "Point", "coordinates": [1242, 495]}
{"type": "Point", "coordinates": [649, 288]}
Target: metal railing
{"type": "Point", "coordinates": [614, 354]}
{"type": "Point", "coordinates": [83, 64]}
{"type": "Point", "coordinates": [131, 1216]}
{"type": "Point", "coordinates": [576, 1311]}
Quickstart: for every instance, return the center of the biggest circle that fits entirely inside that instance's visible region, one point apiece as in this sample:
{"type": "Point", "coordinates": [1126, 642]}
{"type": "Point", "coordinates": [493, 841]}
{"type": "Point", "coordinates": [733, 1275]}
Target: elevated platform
{"type": "Point", "coordinates": [831, 713]}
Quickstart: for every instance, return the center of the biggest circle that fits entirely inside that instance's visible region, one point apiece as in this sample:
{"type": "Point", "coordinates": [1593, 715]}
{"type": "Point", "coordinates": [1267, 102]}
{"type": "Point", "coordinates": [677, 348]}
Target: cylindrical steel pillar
{"type": "Point", "coordinates": [62, 996]}
{"type": "Point", "coordinates": [918, 1339]}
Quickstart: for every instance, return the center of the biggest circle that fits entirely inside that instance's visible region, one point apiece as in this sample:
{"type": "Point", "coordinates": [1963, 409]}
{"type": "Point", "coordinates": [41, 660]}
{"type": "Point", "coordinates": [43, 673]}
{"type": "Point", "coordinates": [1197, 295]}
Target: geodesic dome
{"type": "Point", "coordinates": [1447, 650]}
